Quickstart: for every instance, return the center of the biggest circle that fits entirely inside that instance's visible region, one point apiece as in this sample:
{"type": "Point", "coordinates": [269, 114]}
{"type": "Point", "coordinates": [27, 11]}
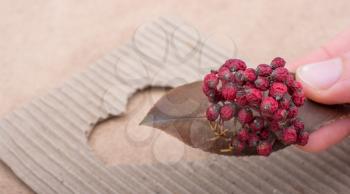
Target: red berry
{"type": "Point", "coordinates": [245, 115]}
{"type": "Point", "coordinates": [278, 62]}
{"type": "Point", "coordinates": [289, 135]}
{"type": "Point", "coordinates": [264, 134]}
{"type": "Point", "coordinates": [241, 99]}
{"type": "Point", "coordinates": [211, 80]}
{"type": "Point", "coordinates": [249, 75]}
{"type": "Point", "coordinates": [257, 124]}
{"type": "Point", "coordinates": [229, 92]}
{"type": "Point", "coordinates": [303, 138]}
{"type": "Point", "coordinates": [278, 90]}
{"type": "Point", "coordinates": [297, 86]}
{"type": "Point", "coordinates": [226, 112]}
{"type": "Point", "coordinates": [235, 64]}
{"type": "Point", "coordinates": [214, 96]}
{"type": "Point", "coordinates": [253, 140]}
{"type": "Point", "coordinates": [292, 112]}
{"type": "Point", "coordinates": [275, 126]}
{"type": "Point", "coordinates": [262, 83]}
{"type": "Point", "coordinates": [280, 114]}
{"type": "Point", "coordinates": [243, 134]}
{"type": "Point", "coordinates": [298, 98]}
{"type": "Point", "coordinates": [264, 70]}
{"type": "Point", "coordinates": [225, 74]}
{"type": "Point", "coordinates": [253, 96]}
{"type": "Point", "coordinates": [298, 124]}
{"type": "Point", "coordinates": [213, 112]}
{"type": "Point", "coordinates": [268, 105]}
{"type": "Point", "coordinates": [280, 74]}
{"type": "Point", "coordinates": [290, 80]}
{"type": "Point", "coordinates": [264, 148]}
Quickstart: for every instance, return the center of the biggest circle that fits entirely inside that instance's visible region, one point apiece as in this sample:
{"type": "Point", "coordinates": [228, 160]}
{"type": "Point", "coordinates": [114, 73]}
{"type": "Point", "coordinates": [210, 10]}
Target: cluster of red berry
{"type": "Point", "coordinates": [264, 100]}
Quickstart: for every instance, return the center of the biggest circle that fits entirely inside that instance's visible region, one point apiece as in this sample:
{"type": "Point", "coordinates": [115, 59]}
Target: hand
{"type": "Point", "coordinates": [325, 74]}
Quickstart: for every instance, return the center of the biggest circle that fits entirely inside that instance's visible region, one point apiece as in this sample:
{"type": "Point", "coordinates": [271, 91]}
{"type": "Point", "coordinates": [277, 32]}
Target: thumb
{"type": "Point", "coordinates": [328, 81]}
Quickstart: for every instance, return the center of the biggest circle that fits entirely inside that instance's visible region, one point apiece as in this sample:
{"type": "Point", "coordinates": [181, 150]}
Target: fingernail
{"type": "Point", "coordinates": [321, 75]}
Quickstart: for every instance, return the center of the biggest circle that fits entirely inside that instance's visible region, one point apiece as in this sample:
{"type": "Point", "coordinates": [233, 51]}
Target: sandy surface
{"type": "Point", "coordinates": [42, 43]}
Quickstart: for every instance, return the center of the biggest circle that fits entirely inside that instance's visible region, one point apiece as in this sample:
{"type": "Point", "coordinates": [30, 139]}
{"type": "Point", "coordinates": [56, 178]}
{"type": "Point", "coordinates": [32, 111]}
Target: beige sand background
{"type": "Point", "coordinates": [42, 43]}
